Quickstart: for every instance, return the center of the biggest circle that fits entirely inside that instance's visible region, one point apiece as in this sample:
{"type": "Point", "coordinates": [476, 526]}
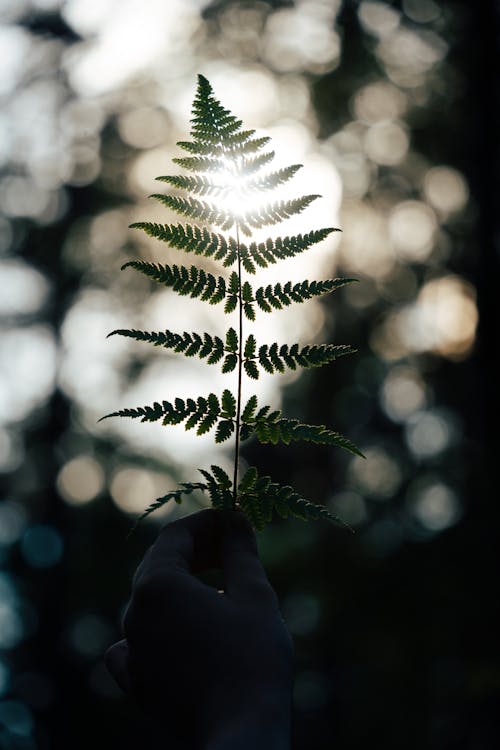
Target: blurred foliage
{"type": "Point", "coordinates": [396, 627]}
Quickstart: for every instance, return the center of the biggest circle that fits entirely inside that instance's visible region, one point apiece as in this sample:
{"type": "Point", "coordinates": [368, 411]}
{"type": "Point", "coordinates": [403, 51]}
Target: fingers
{"type": "Point", "coordinates": [206, 539]}
{"type": "Point", "coordinates": [244, 574]}
{"type": "Point", "coordinates": [189, 544]}
{"type": "Point", "coordinates": [115, 659]}
{"type": "Point", "coordinates": [166, 574]}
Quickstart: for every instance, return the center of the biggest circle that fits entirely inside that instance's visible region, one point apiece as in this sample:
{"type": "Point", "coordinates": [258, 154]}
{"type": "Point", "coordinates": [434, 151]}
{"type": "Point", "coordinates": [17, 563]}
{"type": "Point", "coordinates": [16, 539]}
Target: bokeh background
{"type": "Point", "coordinates": [392, 107]}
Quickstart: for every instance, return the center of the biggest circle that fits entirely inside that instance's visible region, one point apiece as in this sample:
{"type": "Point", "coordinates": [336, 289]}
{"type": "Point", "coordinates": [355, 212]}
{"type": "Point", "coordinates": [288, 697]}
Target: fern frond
{"type": "Point", "coordinates": [191, 184]}
{"type": "Point", "coordinates": [260, 498]}
{"type": "Point", "coordinates": [252, 165]}
{"type": "Point", "coordinates": [219, 487]}
{"type": "Point", "coordinates": [191, 239]}
{"type": "Point", "coordinates": [273, 428]}
{"type": "Point", "coordinates": [190, 344]}
{"type": "Point", "coordinates": [278, 296]}
{"type": "Point", "coordinates": [280, 248]}
{"type": "Point", "coordinates": [273, 359]}
{"type": "Point", "coordinates": [274, 213]}
{"type": "Point", "coordinates": [200, 163]}
{"type": "Point", "coordinates": [186, 488]}
{"type": "Point", "coordinates": [203, 413]}
{"type": "Point", "coordinates": [211, 122]}
{"type": "Point", "coordinates": [226, 165]}
{"type": "Point", "coordinates": [193, 282]}
{"type": "Point", "coordinates": [272, 179]}
{"type": "Point", "coordinates": [195, 209]}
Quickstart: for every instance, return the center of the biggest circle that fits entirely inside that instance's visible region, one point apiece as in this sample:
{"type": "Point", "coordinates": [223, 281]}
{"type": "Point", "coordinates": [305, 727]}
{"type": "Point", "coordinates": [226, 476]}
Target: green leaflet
{"type": "Point", "coordinates": [223, 169]}
{"type": "Point", "coordinates": [202, 413]}
{"type": "Point", "coordinates": [273, 428]}
{"type": "Point", "coordinates": [274, 358]}
{"type": "Point", "coordinates": [192, 282]}
{"type": "Point", "coordinates": [261, 498]}
{"type": "Point", "coordinates": [185, 488]}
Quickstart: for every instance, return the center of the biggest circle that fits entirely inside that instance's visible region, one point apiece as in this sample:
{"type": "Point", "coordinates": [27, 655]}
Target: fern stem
{"type": "Point", "coordinates": [240, 371]}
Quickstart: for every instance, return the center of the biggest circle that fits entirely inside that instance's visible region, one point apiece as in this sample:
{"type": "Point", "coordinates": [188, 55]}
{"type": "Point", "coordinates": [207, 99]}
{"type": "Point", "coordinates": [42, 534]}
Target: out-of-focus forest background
{"type": "Point", "coordinates": [392, 107]}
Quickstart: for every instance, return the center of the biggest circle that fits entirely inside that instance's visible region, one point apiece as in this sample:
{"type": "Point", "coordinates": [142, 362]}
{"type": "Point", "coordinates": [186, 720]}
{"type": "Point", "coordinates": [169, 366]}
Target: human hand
{"type": "Point", "coordinates": [213, 669]}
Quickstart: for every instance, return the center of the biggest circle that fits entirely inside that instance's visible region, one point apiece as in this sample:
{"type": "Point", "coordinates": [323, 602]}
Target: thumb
{"type": "Point", "coordinates": [116, 659]}
{"type": "Point", "coordinates": [244, 574]}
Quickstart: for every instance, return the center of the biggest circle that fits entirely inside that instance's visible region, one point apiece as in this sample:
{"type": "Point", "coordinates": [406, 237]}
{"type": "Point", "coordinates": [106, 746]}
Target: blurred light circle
{"type": "Point", "coordinates": [365, 246]}
{"type": "Point", "coordinates": [386, 143]}
{"type": "Point", "coordinates": [377, 475]}
{"type": "Point", "coordinates": [144, 127]}
{"type": "Point", "coordinates": [20, 196]}
{"type": "Point", "coordinates": [134, 489]}
{"type": "Point", "coordinates": [42, 546]}
{"type": "Point", "coordinates": [412, 226]}
{"type": "Point", "coordinates": [437, 507]}
{"type": "Point", "coordinates": [16, 718]}
{"type": "Point", "coordinates": [379, 101]}
{"type": "Point", "coordinates": [27, 376]}
{"type": "Point", "coordinates": [355, 173]}
{"type": "Point", "coordinates": [11, 625]}
{"type": "Point", "coordinates": [298, 39]}
{"type": "Point", "coordinates": [80, 480]}
{"type": "Point", "coordinates": [12, 521]}
{"type": "Point", "coordinates": [427, 434]}
{"type": "Point", "coordinates": [24, 290]}
{"type": "Point", "coordinates": [402, 393]}
{"type": "Point", "coordinates": [378, 18]}
{"type": "Point", "coordinates": [445, 316]}
{"type": "Point", "coordinates": [446, 189]}
{"type": "Point", "coordinates": [409, 53]}
{"type": "Point", "coordinates": [421, 11]}
{"type": "Point", "coordinates": [90, 635]}
{"type": "Point", "coordinates": [349, 506]}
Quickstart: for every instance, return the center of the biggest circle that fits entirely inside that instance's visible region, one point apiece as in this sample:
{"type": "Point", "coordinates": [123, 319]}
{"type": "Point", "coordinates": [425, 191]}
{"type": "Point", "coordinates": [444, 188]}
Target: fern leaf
{"type": "Point", "coordinates": [259, 497]}
{"type": "Point", "coordinates": [220, 147]}
{"type": "Point", "coordinates": [251, 369]}
{"type": "Point", "coordinates": [224, 430]}
{"type": "Point", "coordinates": [250, 347]}
{"type": "Point", "coordinates": [231, 340]}
{"type": "Point", "coordinates": [280, 248]}
{"type": "Point", "coordinates": [204, 413]}
{"type": "Point", "coordinates": [248, 412]}
{"type": "Point", "coordinates": [145, 413]}
{"type": "Point", "coordinates": [190, 239]}
{"type": "Point", "coordinates": [200, 163]}
{"type": "Point", "coordinates": [219, 487]}
{"type": "Point", "coordinates": [194, 184]}
{"type": "Point", "coordinates": [273, 360]}
{"type": "Point", "coordinates": [274, 428]}
{"type": "Point", "coordinates": [248, 481]}
{"type": "Point", "coordinates": [209, 347]}
{"type": "Point", "coordinates": [196, 209]}
{"type": "Point", "coordinates": [274, 213]}
{"type": "Point", "coordinates": [192, 282]}
{"type": "Point", "coordinates": [273, 179]}
{"type": "Point", "coordinates": [279, 296]}
{"type": "Point", "coordinates": [186, 488]}
{"type": "Point", "coordinates": [228, 404]}
{"type": "Point", "coordinates": [252, 165]}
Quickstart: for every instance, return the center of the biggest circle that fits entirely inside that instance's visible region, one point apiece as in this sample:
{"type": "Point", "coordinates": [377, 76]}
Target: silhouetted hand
{"type": "Point", "coordinates": [213, 669]}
